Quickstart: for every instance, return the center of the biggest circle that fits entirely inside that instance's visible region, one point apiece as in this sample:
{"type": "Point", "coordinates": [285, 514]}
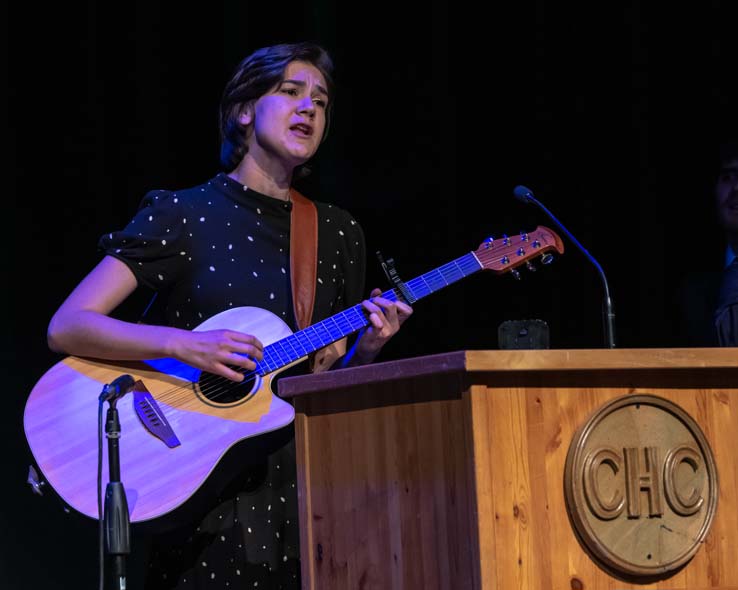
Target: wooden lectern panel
{"type": "Point", "coordinates": [392, 481]}
{"type": "Point", "coordinates": [446, 472]}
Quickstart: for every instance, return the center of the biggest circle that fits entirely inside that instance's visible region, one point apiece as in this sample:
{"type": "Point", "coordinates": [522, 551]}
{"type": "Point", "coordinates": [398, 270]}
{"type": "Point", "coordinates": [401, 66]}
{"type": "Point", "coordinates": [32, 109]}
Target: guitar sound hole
{"type": "Point", "coordinates": [220, 390]}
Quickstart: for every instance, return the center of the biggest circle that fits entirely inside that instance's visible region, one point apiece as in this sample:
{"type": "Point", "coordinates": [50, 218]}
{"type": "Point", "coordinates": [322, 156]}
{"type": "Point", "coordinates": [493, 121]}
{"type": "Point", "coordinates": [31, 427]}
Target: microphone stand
{"type": "Point", "coordinates": [117, 525]}
{"type": "Point", "coordinates": [608, 312]}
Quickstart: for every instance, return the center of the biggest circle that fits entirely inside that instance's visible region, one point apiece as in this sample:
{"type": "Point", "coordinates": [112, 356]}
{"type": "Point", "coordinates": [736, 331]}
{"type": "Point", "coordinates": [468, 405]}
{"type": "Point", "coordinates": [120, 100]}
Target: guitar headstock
{"type": "Point", "coordinates": [506, 253]}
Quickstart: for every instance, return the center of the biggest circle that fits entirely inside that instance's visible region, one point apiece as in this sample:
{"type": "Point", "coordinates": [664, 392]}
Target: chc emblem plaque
{"type": "Point", "coordinates": [641, 485]}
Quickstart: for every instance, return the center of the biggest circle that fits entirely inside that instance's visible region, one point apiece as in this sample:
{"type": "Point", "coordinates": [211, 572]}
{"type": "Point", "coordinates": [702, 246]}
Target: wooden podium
{"type": "Point", "coordinates": [447, 471]}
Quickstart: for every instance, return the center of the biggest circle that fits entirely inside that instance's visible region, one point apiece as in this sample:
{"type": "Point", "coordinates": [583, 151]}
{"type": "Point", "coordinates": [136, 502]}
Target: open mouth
{"type": "Point", "coordinates": [301, 129]}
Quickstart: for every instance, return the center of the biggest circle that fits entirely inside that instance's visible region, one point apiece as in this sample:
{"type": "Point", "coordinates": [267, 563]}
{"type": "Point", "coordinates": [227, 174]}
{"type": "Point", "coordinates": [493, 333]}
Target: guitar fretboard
{"type": "Point", "coordinates": [302, 343]}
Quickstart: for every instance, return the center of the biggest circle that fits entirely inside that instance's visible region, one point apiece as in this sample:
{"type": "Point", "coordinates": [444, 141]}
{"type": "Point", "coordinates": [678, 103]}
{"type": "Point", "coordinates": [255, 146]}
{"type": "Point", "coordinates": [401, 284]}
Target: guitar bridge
{"type": "Point", "coordinates": [152, 417]}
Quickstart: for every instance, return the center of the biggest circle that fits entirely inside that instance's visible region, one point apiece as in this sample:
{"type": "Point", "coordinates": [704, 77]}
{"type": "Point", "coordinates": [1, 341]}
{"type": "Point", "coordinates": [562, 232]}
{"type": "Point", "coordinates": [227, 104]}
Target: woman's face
{"type": "Point", "coordinates": [289, 121]}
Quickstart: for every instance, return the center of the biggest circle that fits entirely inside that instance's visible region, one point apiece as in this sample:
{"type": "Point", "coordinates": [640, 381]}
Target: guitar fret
{"type": "Point", "coordinates": [292, 341]}
{"type": "Point", "coordinates": [310, 339]}
{"type": "Point", "coordinates": [316, 336]}
{"type": "Point", "coordinates": [361, 319]}
{"type": "Point", "coordinates": [264, 366]}
{"type": "Point", "coordinates": [304, 342]}
{"type": "Point", "coordinates": [274, 358]}
{"type": "Point", "coordinates": [441, 274]}
{"type": "Point", "coordinates": [329, 338]}
{"type": "Point", "coordinates": [333, 319]}
{"type": "Point", "coordinates": [471, 264]}
{"type": "Point", "coordinates": [285, 356]}
{"type": "Point", "coordinates": [342, 322]}
{"type": "Point", "coordinates": [437, 273]}
{"type": "Point", "coordinates": [427, 286]}
{"type": "Point", "coordinates": [449, 271]}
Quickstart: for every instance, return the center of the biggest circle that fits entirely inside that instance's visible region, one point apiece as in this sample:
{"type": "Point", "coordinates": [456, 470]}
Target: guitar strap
{"type": "Point", "coordinates": [303, 257]}
{"type": "Point", "coordinates": [303, 273]}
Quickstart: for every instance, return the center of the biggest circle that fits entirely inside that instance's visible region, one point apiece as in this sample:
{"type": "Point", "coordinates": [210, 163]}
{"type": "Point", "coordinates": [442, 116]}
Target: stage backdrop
{"type": "Point", "coordinates": [611, 114]}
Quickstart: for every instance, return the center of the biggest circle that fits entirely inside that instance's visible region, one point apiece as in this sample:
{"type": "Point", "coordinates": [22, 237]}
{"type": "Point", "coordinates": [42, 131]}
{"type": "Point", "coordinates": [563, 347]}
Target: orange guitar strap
{"type": "Point", "coordinates": [303, 257]}
{"type": "Point", "coordinates": [303, 274]}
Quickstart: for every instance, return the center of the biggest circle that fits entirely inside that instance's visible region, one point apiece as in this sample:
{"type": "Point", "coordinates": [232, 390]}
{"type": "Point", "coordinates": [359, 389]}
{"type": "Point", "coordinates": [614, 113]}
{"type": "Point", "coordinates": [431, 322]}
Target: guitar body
{"type": "Point", "coordinates": [61, 423]}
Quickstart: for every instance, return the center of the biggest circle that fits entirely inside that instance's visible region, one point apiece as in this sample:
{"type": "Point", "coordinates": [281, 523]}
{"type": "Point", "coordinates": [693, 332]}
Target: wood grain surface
{"type": "Point", "coordinates": [447, 471]}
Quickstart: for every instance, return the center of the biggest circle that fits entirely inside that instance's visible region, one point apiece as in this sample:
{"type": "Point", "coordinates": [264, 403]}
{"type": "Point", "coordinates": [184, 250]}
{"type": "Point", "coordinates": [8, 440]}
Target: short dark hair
{"type": "Point", "coordinates": [256, 75]}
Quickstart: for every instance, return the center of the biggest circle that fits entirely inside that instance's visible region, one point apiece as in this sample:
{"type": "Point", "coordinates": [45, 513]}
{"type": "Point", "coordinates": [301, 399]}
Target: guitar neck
{"type": "Point", "coordinates": [300, 344]}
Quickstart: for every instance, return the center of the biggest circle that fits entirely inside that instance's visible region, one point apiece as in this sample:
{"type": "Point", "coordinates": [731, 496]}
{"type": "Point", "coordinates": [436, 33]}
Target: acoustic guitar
{"type": "Point", "coordinates": [178, 422]}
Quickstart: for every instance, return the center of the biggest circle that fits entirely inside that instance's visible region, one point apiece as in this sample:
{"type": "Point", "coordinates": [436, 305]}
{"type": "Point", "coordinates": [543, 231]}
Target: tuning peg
{"type": "Point", "coordinates": [547, 258]}
{"type": "Point", "coordinates": [524, 236]}
{"type": "Point", "coordinates": [516, 273]}
{"type": "Point", "coordinates": [488, 242]}
{"type": "Point", "coordinates": [530, 266]}
{"type": "Point", "coordinates": [505, 240]}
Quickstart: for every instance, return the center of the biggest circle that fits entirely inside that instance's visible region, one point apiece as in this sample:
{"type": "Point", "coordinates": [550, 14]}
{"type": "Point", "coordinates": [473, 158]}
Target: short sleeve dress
{"type": "Point", "coordinates": [204, 250]}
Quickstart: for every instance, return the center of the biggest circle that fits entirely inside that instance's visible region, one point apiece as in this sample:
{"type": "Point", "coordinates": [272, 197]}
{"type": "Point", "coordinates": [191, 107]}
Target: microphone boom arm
{"type": "Point", "coordinates": [608, 313]}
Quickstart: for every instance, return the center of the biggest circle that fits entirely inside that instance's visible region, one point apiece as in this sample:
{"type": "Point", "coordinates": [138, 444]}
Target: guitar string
{"type": "Point", "coordinates": [210, 383]}
{"type": "Point", "coordinates": [210, 389]}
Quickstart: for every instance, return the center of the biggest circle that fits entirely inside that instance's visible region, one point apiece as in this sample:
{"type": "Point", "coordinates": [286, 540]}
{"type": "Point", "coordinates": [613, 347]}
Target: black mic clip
{"type": "Point", "coordinates": [117, 389]}
{"type": "Point", "coordinates": [390, 272]}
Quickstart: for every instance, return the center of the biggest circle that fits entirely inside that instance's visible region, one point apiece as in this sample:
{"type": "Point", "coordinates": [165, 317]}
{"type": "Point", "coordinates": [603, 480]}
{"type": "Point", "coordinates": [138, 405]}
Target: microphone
{"type": "Point", "coordinates": [117, 389]}
{"type": "Point", "coordinates": [525, 195]}
{"type": "Point", "coordinates": [114, 527]}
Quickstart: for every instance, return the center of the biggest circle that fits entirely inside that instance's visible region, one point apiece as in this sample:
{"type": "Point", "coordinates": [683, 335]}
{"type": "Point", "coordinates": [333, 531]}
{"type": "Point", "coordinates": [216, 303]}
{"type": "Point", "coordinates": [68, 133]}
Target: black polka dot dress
{"type": "Point", "coordinates": [208, 249]}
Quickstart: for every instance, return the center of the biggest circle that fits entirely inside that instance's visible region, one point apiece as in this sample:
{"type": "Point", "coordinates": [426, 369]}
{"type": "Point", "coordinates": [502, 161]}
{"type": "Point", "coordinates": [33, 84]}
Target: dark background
{"type": "Point", "coordinates": [610, 113]}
